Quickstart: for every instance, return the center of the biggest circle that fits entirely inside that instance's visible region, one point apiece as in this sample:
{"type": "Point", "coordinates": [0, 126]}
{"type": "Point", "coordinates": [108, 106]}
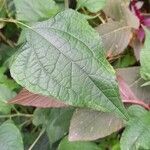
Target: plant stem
{"type": "Point", "coordinates": [26, 122]}
{"type": "Point", "coordinates": [36, 140]}
{"type": "Point", "coordinates": [10, 43]}
{"type": "Point", "coordinates": [66, 4]}
{"type": "Point", "coordinates": [138, 102]}
{"type": "Point", "coordinates": [14, 21]}
{"type": "Point", "coordinates": [16, 115]}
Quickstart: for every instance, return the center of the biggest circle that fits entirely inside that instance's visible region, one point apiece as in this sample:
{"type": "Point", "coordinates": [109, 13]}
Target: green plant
{"type": "Point", "coordinates": [68, 62]}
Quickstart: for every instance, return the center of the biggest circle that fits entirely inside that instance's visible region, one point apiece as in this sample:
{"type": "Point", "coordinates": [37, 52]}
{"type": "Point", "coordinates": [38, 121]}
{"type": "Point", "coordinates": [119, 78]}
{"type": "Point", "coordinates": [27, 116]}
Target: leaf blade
{"type": "Point", "coordinates": [10, 137]}
{"type": "Point", "coordinates": [77, 63]}
{"type": "Point", "coordinates": [91, 125]}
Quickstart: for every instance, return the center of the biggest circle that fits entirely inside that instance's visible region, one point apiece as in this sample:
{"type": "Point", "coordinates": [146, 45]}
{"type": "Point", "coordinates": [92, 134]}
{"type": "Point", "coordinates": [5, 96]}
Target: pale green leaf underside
{"type": "Point", "coordinates": [10, 137]}
{"type": "Point", "coordinates": [63, 58]}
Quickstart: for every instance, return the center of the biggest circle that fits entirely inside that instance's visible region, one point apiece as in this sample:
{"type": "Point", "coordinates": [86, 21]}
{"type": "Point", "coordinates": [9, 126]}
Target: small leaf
{"type": "Point", "coordinates": [66, 145]}
{"type": "Point", "coordinates": [92, 5]}
{"type": "Point", "coordinates": [10, 137]}
{"type": "Point", "coordinates": [145, 58]}
{"type": "Point", "coordinates": [5, 95]}
{"type": "Point", "coordinates": [56, 121]}
{"type": "Point", "coordinates": [137, 133]}
{"type": "Point", "coordinates": [27, 98]}
{"type": "Point", "coordinates": [35, 10]}
{"type": "Point", "coordinates": [63, 58]}
{"type": "Point", "coordinates": [132, 78]}
{"type": "Point", "coordinates": [118, 10]}
{"type": "Point", "coordinates": [91, 125]}
{"type": "Point", "coordinates": [115, 36]}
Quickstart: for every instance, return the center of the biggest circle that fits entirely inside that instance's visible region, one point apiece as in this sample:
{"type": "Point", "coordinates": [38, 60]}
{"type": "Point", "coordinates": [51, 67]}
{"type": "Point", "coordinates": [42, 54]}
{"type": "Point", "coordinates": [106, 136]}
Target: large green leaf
{"type": "Point", "coordinates": [91, 125]}
{"type": "Point", "coordinates": [145, 58]}
{"type": "Point", "coordinates": [137, 133]}
{"type": "Point", "coordinates": [35, 10]}
{"type": "Point", "coordinates": [10, 137]}
{"type": "Point", "coordinates": [63, 58]}
{"type": "Point", "coordinates": [66, 145]}
{"type": "Point", "coordinates": [91, 5]}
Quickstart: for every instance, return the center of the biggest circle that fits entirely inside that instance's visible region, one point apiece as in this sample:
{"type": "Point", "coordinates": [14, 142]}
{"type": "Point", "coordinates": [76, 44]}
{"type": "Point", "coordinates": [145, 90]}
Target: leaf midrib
{"type": "Point", "coordinates": [33, 29]}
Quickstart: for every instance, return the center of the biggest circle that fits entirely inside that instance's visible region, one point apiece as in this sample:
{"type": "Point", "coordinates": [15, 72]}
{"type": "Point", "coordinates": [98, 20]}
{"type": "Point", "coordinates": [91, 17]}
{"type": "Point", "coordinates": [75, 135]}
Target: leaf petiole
{"type": "Point", "coordinates": [16, 115]}
{"type": "Point", "coordinates": [15, 22]}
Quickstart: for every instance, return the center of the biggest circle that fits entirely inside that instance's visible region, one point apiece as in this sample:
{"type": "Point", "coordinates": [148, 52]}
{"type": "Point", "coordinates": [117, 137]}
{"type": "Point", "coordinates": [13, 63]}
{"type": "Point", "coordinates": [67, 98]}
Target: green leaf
{"type": "Point", "coordinates": [136, 111]}
{"type": "Point", "coordinates": [5, 95]}
{"type": "Point", "coordinates": [126, 60]}
{"type": "Point", "coordinates": [92, 5]}
{"type": "Point", "coordinates": [145, 58]}
{"type": "Point", "coordinates": [10, 137]}
{"type": "Point", "coordinates": [42, 144]}
{"type": "Point", "coordinates": [56, 121]}
{"type": "Point", "coordinates": [137, 133]}
{"type": "Point", "coordinates": [91, 125]}
{"type": "Point", "coordinates": [66, 145]}
{"type": "Point", "coordinates": [63, 58]}
{"type": "Point", "coordinates": [41, 116]}
{"type": "Point", "coordinates": [35, 10]}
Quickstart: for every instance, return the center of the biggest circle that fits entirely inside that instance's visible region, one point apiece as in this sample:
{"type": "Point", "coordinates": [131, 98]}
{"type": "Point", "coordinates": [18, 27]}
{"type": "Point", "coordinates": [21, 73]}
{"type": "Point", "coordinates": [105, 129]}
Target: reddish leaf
{"type": "Point", "coordinates": [126, 92]}
{"type": "Point", "coordinates": [27, 98]}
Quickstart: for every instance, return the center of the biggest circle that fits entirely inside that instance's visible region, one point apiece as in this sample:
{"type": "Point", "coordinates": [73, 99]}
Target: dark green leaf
{"type": "Point", "coordinates": [5, 95]}
{"type": "Point", "coordinates": [63, 58]}
{"type": "Point", "coordinates": [56, 122]}
{"type": "Point", "coordinates": [66, 145]}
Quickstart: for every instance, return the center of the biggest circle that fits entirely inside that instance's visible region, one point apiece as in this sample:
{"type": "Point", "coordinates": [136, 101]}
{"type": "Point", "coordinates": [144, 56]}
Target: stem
{"type": "Point", "coordinates": [16, 115]}
{"type": "Point", "coordinates": [10, 43]}
{"type": "Point", "coordinates": [14, 21]}
{"type": "Point", "coordinates": [138, 102]}
{"type": "Point", "coordinates": [24, 123]}
{"type": "Point", "coordinates": [36, 140]}
{"type": "Point", "coordinates": [66, 4]}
